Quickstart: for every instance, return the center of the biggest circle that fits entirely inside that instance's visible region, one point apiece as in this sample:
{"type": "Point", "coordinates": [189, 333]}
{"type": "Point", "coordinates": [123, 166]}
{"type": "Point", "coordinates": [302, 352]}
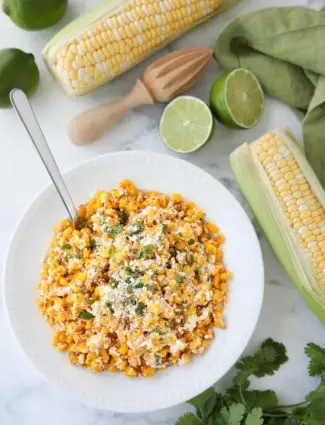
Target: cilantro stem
{"type": "Point", "coordinates": [242, 395]}
{"type": "Point", "coordinates": [289, 406]}
{"type": "Point", "coordinates": [276, 415]}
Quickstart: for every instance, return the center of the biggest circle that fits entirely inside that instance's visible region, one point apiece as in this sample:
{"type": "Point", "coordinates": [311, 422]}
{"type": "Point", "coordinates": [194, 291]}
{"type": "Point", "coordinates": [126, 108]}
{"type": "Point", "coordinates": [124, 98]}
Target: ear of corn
{"type": "Point", "coordinates": [289, 203]}
{"type": "Point", "coordinates": [118, 34]}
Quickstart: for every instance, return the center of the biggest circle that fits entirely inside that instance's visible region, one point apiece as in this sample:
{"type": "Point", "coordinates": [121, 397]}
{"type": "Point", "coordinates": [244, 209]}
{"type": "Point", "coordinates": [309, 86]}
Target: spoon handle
{"type": "Point", "coordinates": [26, 114]}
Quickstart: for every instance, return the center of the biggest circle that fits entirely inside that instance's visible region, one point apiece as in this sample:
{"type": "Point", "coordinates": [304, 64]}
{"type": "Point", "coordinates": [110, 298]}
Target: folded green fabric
{"type": "Point", "coordinates": [285, 48]}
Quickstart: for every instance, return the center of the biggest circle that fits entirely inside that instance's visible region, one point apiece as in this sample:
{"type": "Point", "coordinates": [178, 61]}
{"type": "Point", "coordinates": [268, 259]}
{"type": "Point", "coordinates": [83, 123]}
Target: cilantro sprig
{"type": "Point", "coordinates": [240, 405]}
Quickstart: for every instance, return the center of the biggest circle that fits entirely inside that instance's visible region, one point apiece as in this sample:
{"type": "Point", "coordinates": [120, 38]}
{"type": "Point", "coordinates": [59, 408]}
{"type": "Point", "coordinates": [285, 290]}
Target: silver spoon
{"type": "Point", "coordinates": [26, 114]}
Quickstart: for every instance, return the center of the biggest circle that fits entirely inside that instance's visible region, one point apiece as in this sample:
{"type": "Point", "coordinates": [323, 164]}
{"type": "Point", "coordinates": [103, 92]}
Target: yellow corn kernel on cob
{"type": "Point", "coordinates": [118, 34]}
{"type": "Point", "coordinates": [289, 203]}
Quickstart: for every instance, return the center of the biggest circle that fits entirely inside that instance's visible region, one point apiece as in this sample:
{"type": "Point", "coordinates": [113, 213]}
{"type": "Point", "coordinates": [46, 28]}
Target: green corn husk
{"type": "Point", "coordinates": [260, 194]}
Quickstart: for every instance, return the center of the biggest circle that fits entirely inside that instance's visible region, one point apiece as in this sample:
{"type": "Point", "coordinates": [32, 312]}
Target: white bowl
{"type": "Point", "coordinates": [114, 391]}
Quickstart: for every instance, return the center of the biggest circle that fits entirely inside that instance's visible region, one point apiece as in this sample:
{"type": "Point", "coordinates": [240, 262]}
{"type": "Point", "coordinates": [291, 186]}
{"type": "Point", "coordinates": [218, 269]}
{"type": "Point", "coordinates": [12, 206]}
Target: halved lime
{"type": "Point", "coordinates": [237, 99]}
{"type": "Point", "coordinates": [186, 124]}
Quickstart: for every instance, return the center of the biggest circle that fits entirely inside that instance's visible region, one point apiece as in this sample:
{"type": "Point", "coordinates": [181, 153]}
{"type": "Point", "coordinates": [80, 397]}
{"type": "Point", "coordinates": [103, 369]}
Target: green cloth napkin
{"type": "Point", "coordinates": [285, 48]}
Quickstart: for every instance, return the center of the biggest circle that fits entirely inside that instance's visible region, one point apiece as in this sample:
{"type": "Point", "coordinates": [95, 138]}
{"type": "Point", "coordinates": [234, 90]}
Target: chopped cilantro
{"type": "Point", "coordinates": [89, 300]}
{"type": "Point", "coordinates": [110, 307]}
{"type": "Point", "coordinates": [170, 325]}
{"type": "Point", "coordinates": [173, 253]}
{"type": "Point", "coordinates": [191, 259]}
{"type": "Point", "coordinates": [123, 216]}
{"type": "Point", "coordinates": [69, 256]}
{"type": "Point", "coordinates": [137, 227]}
{"type": "Point", "coordinates": [130, 289]}
{"type": "Point", "coordinates": [179, 278]}
{"type": "Point", "coordinates": [131, 300]}
{"type": "Point", "coordinates": [131, 272]}
{"type": "Point", "coordinates": [148, 249]}
{"type": "Point", "coordinates": [158, 362]}
{"type": "Point", "coordinates": [93, 244]}
{"type": "Point", "coordinates": [139, 285]}
{"type": "Point", "coordinates": [140, 309]}
{"type": "Point", "coordinates": [113, 282]}
{"type": "Point", "coordinates": [66, 246]}
{"type": "Point", "coordinates": [191, 242]}
{"type": "Point", "coordinates": [164, 228]}
{"type": "Point", "coordinates": [113, 231]}
{"type": "Point", "coordinates": [151, 288]}
{"type": "Point", "coordinates": [85, 315]}
{"type": "Point", "coordinates": [198, 271]}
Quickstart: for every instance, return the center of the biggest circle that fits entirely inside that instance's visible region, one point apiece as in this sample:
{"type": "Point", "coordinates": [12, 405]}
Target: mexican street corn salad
{"type": "Point", "coordinates": [139, 286]}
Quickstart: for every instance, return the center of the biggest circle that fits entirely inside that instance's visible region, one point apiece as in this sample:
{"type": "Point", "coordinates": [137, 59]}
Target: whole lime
{"type": "Point", "coordinates": [35, 14]}
{"type": "Point", "coordinates": [17, 70]}
{"type": "Point", "coordinates": [237, 99]}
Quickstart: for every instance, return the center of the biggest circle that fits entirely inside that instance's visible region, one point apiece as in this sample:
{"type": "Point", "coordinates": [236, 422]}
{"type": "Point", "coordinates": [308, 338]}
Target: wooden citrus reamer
{"type": "Point", "coordinates": [164, 79]}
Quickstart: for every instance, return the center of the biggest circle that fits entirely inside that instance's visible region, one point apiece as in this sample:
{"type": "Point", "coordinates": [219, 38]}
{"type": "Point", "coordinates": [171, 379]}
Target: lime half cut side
{"type": "Point", "coordinates": [237, 99]}
{"type": "Point", "coordinates": [186, 124]}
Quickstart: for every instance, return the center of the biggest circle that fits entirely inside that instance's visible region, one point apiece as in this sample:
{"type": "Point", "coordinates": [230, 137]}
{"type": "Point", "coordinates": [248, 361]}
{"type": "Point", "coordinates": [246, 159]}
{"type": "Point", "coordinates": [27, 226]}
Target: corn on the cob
{"type": "Point", "coordinates": [117, 35]}
{"type": "Point", "coordinates": [289, 203]}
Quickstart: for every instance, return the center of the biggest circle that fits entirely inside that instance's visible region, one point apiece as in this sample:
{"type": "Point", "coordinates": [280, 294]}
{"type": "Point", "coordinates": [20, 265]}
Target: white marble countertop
{"type": "Point", "coordinates": [25, 398]}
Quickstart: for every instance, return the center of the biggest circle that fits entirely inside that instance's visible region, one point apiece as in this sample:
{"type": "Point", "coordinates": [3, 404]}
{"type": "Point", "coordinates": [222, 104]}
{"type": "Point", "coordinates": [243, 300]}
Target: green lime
{"type": "Point", "coordinates": [18, 70]}
{"type": "Point", "coordinates": [186, 124]}
{"type": "Point", "coordinates": [237, 99]}
{"type": "Point", "coordinates": [35, 14]}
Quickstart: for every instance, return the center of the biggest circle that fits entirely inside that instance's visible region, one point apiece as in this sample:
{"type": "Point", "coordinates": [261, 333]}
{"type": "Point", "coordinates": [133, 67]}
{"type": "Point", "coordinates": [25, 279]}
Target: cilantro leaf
{"type": "Point", "coordinates": [264, 399]}
{"type": "Point", "coordinates": [179, 278]}
{"type": "Point", "coordinates": [318, 394]}
{"type": "Point", "coordinates": [266, 361]}
{"type": "Point", "coordinates": [110, 307]}
{"type": "Point", "coordinates": [188, 419]}
{"type": "Point", "coordinates": [314, 412]}
{"type": "Point", "coordinates": [66, 246]}
{"type": "Point", "coordinates": [255, 417]}
{"type": "Point", "coordinates": [198, 271]}
{"type": "Point", "coordinates": [232, 415]}
{"type": "Point", "coordinates": [140, 309]}
{"type": "Point", "coordinates": [85, 315]}
{"type": "Point", "coordinates": [148, 249]}
{"type": "Point", "coordinates": [316, 356]}
{"type": "Point", "coordinates": [136, 228]}
{"type": "Point", "coordinates": [209, 406]}
{"type": "Point", "coordinates": [93, 244]}
{"type": "Point", "coordinates": [267, 400]}
{"type": "Point", "coordinates": [199, 401]}
{"type": "Point", "coordinates": [113, 231]}
{"type": "Point", "coordinates": [114, 282]}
